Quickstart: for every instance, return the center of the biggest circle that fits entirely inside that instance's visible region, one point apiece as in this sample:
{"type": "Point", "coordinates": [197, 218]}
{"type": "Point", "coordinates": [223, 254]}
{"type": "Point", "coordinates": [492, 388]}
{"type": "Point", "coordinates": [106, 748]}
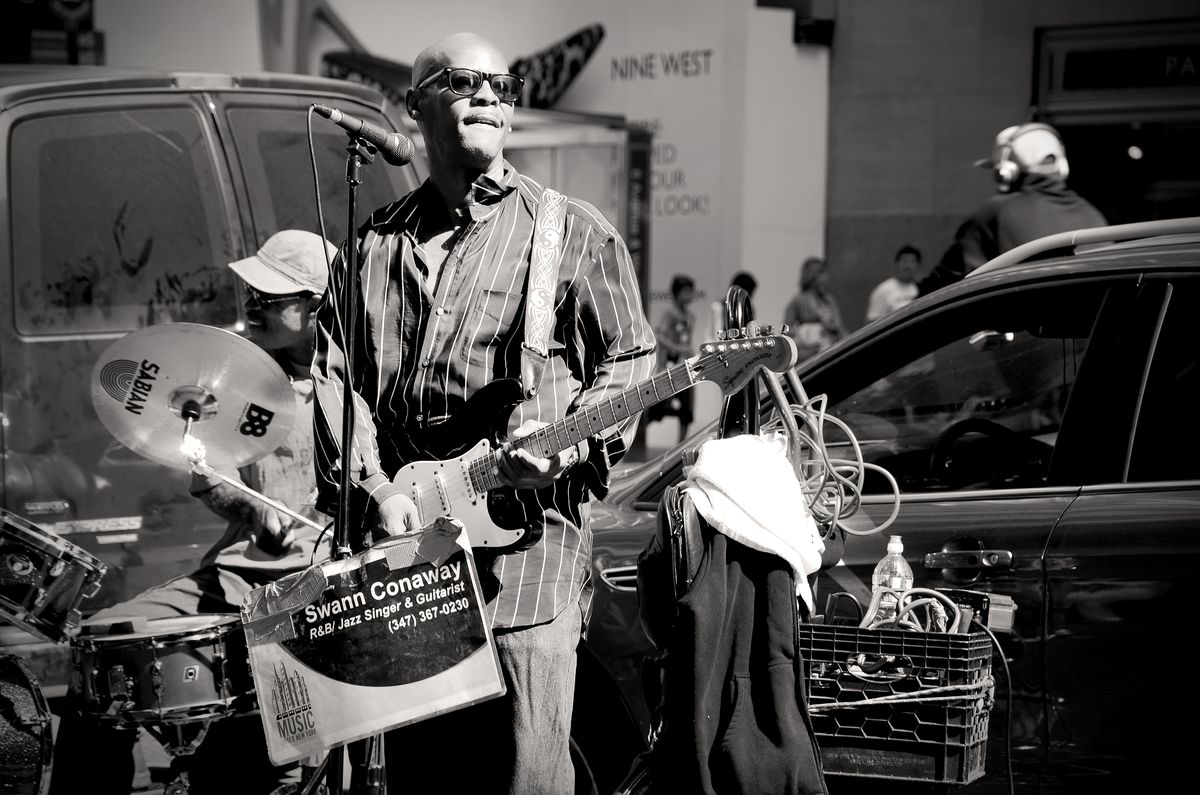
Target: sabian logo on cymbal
{"type": "Point", "coordinates": [129, 382]}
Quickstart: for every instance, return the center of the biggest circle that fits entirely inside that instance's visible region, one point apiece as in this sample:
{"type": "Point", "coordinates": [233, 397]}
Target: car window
{"type": "Point", "coordinates": [969, 397]}
{"type": "Point", "coordinates": [273, 150]}
{"type": "Point", "coordinates": [136, 191]}
{"type": "Point", "coordinates": [1168, 425]}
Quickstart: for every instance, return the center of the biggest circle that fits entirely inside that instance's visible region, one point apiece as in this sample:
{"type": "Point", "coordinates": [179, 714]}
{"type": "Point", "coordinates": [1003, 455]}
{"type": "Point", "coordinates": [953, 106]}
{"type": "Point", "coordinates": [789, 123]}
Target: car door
{"type": "Point", "coordinates": [963, 403]}
{"type": "Point", "coordinates": [1121, 564]}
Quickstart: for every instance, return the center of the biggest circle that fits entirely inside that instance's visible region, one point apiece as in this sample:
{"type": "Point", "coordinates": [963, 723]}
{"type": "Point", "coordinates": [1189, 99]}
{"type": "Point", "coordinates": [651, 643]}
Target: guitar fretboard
{"type": "Point", "coordinates": [588, 421]}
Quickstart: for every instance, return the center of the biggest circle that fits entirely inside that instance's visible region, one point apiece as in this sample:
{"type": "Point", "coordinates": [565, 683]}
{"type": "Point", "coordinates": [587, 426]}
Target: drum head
{"type": "Point", "coordinates": [126, 629]}
{"type": "Point", "coordinates": [43, 578]}
{"type": "Point", "coordinates": [19, 527]}
{"type": "Point", "coordinates": [166, 670]}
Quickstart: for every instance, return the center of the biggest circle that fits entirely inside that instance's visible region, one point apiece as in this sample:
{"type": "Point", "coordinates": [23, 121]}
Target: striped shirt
{"type": "Point", "coordinates": [422, 353]}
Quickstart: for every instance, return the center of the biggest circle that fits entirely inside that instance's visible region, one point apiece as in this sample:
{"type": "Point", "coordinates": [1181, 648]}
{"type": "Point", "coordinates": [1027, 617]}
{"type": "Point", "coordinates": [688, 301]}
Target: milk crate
{"type": "Point", "coordinates": [933, 725]}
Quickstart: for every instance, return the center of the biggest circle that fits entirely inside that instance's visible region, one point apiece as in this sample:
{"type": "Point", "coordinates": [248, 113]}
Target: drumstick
{"type": "Point", "coordinates": [204, 469]}
{"type": "Point", "coordinates": [193, 449]}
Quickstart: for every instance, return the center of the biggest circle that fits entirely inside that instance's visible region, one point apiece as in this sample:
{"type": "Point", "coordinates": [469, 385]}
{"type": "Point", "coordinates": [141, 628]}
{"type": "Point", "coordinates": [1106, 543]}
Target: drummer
{"type": "Point", "coordinates": [285, 282]}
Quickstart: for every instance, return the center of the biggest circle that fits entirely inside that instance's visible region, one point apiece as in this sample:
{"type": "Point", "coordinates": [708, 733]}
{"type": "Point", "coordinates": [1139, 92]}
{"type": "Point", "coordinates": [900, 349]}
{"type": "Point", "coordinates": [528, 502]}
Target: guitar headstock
{"type": "Point", "coordinates": [732, 361]}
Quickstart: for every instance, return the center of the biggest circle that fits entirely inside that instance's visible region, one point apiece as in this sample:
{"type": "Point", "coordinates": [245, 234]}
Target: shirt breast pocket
{"type": "Point", "coordinates": [489, 322]}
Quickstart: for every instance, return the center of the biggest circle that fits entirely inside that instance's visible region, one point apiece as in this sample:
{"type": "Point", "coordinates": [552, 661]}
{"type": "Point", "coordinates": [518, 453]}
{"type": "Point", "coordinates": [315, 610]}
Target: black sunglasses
{"type": "Point", "coordinates": [467, 82]}
{"type": "Point", "coordinates": [265, 299]}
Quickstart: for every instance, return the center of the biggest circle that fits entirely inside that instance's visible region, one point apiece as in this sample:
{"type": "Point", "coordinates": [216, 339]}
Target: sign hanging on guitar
{"type": "Point", "coordinates": [466, 485]}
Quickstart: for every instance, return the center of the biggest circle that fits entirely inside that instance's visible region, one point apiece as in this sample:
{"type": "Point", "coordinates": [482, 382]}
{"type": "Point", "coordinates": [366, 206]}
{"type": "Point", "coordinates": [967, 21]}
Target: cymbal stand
{"type": "Point", "coordinates": [311, 783]}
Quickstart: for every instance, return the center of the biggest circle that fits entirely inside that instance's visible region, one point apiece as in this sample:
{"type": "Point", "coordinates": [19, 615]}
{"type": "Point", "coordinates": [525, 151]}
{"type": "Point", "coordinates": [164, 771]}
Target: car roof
{"type": "Point", "coordinates": [1166, 246]}
{"type": "Point", "coordinates": [1149, 246]}
{"type": "Point", "coordinates": [1144, 234]}
{"type": "Point", "coordinates": [21, 83]}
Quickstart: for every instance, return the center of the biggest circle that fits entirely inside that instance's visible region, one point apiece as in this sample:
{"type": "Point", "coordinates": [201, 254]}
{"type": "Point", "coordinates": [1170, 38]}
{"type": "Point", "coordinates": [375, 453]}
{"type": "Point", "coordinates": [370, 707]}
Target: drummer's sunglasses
{"type": "Point", "coordinates": [467, 82]}
{"type": "Point", "coordinates": [265, 299]}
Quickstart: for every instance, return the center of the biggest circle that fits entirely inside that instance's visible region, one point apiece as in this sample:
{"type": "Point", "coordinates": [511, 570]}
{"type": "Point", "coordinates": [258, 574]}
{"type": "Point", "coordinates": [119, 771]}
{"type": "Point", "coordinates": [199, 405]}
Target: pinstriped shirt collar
{"type": "Point", "coordinates": [482, 198]}
{"type": "Point", "coordinates": [486, 193]}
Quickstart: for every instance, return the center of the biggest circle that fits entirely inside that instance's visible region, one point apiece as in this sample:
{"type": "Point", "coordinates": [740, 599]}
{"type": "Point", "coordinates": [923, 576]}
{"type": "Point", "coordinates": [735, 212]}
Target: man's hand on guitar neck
{"type": "Point", "coordinates": [520, 469]}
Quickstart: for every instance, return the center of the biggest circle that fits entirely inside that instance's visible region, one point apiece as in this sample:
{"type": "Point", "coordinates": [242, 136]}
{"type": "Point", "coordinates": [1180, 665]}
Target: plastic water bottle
{"type": "Point", "coordinates": [892, 574]}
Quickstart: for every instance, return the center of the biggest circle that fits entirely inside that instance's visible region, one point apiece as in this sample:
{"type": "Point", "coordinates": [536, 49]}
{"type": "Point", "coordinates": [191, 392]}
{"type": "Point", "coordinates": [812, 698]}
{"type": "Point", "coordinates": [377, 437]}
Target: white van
{"type": "Point", "coordinates": [123, 196]}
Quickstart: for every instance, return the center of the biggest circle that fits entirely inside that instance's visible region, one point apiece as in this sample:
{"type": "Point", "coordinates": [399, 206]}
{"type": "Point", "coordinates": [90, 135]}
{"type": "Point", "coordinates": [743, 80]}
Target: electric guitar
{"type": "Point", "coordinates": [464, 486]}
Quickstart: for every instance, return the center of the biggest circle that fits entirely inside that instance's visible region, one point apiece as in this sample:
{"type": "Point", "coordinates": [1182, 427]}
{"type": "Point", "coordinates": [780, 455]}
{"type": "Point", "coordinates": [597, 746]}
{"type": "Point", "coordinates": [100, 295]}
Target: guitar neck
{"type": "Point", "coordinates": [588, 421]}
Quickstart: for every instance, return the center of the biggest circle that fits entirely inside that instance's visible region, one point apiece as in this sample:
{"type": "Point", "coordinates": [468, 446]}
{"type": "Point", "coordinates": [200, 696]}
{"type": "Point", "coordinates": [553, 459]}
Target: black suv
{"type": "Point", "coordinates": [1041, 421]}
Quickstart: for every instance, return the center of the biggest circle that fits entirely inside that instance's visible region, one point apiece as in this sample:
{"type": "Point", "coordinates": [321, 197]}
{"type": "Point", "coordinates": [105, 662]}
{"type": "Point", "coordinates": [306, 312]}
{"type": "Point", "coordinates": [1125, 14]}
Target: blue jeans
{"type": "Point", "coordinates": [518, 743]}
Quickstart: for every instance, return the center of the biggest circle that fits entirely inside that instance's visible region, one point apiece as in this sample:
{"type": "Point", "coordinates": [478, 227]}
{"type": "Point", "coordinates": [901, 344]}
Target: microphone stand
{"type": "Point", "coordinates": [358, 151]}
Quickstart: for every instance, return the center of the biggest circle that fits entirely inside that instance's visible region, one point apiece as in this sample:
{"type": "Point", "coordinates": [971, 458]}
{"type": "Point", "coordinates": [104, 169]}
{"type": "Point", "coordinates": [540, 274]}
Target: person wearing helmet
{"type": "Point", "coordinates": [1029, 165]}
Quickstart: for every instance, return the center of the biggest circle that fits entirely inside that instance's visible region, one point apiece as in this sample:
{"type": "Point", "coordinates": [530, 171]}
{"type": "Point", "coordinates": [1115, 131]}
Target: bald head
{"type": "Point", "coordinates": [464, 126]}
{"type": "Point", "coordinates": [451, 50]}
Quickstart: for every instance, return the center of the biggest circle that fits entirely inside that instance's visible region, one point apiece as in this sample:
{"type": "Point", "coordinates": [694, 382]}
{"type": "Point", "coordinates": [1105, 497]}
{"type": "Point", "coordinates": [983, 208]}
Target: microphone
{"type": "Point", "coordinates": [397, 149]}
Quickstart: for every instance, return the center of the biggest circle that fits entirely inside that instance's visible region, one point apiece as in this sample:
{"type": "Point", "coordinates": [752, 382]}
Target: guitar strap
{"type": "Point", "coordinates": [548, 231]}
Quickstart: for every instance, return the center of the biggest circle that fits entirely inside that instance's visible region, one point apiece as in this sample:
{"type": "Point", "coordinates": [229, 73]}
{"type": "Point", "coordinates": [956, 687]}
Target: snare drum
{"type": "Point", "coordinates": [181, 669]}
{"type": "Point", "coordinates": [43, 578]}
{"type": "Point", "coordinates": [26, 743]}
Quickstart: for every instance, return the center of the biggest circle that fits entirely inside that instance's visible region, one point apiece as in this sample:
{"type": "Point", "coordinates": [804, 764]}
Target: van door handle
{"type": "Point", "coordinates": [993, 559]}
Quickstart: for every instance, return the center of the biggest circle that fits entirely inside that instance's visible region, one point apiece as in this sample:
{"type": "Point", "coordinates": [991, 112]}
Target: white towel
{"type": "Point", "coordinates": [745, 487]}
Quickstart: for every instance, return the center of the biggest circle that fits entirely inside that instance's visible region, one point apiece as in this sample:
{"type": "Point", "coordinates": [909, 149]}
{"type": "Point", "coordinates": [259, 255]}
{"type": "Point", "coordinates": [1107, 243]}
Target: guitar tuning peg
{"type": "Point", "coordinates": [769, 329]}
{"type": "Point", "coordinates": [733, 334]}
{"type": "Point", "coordinates": [720, 334]}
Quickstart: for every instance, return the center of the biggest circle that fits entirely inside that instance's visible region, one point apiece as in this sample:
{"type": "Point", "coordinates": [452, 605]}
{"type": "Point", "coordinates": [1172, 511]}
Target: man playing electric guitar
{"type": "Point", "coordinates": [467, 485]}
{"type": "Point", "coordinates": [454, 294]}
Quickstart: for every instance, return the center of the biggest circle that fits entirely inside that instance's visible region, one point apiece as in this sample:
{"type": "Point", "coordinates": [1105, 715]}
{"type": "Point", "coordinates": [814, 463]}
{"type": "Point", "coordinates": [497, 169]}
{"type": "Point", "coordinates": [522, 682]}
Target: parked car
{"type": "Point", "coordinates": [1041, 420]}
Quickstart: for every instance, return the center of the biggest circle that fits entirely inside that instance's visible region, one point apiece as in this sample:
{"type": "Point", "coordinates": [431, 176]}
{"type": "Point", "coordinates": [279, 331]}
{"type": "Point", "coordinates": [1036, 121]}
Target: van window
{"type": "Point", "coordinates": [272, 146]}
{"type": "Point", "coordinates": [117, 223]}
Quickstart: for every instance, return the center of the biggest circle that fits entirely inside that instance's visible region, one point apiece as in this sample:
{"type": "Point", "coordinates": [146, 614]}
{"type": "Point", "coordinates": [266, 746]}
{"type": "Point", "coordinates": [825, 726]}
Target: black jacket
{"type": "Point", "coordinates": [733, 713]}
{"type": "Point", "coordinates": [1039, 206]}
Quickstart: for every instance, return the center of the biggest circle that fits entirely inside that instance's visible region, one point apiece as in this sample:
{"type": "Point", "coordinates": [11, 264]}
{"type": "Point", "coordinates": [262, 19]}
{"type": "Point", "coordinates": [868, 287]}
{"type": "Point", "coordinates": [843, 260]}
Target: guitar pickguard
{"type": "Point", "coordinates": [445, 488]}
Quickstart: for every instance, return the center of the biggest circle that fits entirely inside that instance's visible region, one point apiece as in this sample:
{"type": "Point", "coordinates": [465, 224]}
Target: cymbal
{"type": "Point", "coordinates": [147, 384]}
